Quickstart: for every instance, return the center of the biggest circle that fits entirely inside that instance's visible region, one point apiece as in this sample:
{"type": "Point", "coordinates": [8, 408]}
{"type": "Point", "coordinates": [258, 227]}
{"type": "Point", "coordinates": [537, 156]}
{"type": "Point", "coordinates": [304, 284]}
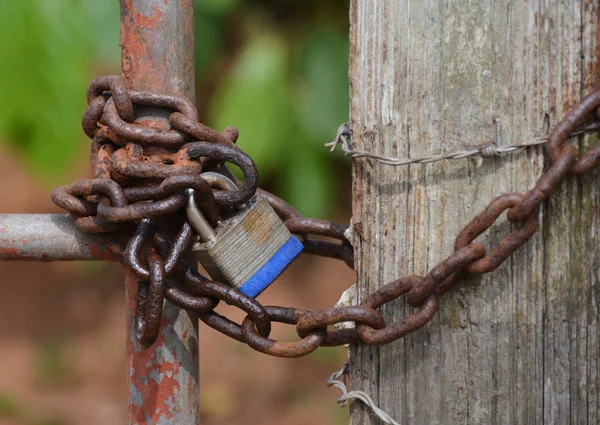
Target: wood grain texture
{"type": "Point", "coordinates": [518, 345]}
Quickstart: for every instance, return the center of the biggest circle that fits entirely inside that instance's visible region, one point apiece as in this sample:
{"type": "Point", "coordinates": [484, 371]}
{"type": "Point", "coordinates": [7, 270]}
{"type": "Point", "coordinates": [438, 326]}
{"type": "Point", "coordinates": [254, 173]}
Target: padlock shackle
{"type": "Point", "coordinates": [219, 181]}
{"type": "Point", "coordinates": [195, 216]}
{"type": "Point", "coordinates": [197, 219]}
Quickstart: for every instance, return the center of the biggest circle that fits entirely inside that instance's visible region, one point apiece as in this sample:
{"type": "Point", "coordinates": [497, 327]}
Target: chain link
{"type": "Point", "coordinates": [135, 203]}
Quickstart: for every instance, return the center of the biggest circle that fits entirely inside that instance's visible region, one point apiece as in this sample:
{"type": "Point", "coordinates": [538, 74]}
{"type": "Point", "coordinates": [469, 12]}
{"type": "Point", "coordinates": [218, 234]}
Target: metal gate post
{"type": "Point", "coordinates": [157, 41]}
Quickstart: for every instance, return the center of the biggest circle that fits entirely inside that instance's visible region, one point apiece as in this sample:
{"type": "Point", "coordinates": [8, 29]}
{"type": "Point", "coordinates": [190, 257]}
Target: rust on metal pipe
{"type": "Point", "coordinates": [157, 40]}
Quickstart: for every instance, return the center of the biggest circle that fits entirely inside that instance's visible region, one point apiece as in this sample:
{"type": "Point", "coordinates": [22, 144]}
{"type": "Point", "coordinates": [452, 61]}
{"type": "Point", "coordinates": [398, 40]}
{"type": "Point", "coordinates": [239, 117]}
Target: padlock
{"type": "Point", "coordinates": [248, 250]}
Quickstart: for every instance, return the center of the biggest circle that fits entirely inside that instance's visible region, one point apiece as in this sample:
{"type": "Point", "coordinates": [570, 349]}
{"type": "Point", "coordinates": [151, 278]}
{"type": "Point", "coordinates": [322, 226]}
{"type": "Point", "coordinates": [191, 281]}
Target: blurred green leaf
{"type": "Point", "coordinates": [103, 26]}
{"type": "Point", "coordinates": [44, 44]}
{"type": "Point", "coordinates": [329, 357]}
{"type": "Point", "coordinates": [340, 415]}
{"type": "Point", "coordinates": [322, 84]}
{"type": "Point", "coordinates": [306, 180]}
{"type": "Point", "coordinates": [52, 364]}
{"type": "Point", "coordinates": [9, 407]}
{"type": "Point", "coordinates": [216, 6]}
{"type": "Point", "coordinates": [285, 109]}
{"type": "Point", "coordinates": [302, 396]}
{"type": "Point", "coordinates": [209, 41]}
{"type": "Point", "coordinates": [254, 98]}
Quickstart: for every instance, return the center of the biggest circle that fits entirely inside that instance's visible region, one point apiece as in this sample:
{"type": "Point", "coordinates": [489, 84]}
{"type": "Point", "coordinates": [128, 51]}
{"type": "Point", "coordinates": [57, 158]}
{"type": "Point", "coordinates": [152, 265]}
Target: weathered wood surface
{"type": "Point", "coordinates": [519, 345]}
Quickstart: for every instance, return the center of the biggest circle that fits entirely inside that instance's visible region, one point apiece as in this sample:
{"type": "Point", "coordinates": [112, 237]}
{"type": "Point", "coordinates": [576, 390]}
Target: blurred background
{"type": "Point", "coordinates": [276, 69]}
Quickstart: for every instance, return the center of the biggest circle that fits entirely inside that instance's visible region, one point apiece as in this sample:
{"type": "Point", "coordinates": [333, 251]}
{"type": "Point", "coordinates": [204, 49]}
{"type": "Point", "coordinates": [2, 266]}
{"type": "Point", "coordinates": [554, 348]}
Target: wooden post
{"type": "Point", "coordinates": [519, 345]}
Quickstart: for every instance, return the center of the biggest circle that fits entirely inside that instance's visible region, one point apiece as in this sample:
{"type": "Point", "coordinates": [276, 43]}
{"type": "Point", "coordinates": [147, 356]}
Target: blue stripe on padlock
{"type": "Point", "coordinates": [273, 268]}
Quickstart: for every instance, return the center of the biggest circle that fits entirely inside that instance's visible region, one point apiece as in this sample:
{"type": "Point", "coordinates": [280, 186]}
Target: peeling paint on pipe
{"type": "Point", "coordinates": [157, 39]}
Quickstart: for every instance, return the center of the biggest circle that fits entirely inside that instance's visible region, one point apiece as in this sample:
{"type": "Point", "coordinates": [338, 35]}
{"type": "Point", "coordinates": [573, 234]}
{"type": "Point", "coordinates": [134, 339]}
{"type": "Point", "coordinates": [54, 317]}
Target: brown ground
{"type": "Point", "coordinates": [62, 339]}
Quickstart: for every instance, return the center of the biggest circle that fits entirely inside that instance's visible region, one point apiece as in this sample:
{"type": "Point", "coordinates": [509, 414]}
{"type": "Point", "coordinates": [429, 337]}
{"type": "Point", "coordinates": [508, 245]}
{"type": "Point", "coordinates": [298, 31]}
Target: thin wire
{"type": "Point", "coordinates": [334, 380]}
{"type": "Point", "coordinates": [487, 151]}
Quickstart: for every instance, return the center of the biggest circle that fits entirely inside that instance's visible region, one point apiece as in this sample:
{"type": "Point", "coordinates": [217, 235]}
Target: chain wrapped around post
{"type": "Point", "coordinates": [136, 202]}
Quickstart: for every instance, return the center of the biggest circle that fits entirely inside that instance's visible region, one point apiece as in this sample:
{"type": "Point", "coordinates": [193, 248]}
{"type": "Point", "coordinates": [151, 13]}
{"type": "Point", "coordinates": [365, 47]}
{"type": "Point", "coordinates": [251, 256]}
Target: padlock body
{"type": "Point", "coordinates": [250, 249]}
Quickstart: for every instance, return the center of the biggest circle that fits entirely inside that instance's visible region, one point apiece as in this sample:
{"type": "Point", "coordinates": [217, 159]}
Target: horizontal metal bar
{"type": "Point", "coordinates": [47, 237]}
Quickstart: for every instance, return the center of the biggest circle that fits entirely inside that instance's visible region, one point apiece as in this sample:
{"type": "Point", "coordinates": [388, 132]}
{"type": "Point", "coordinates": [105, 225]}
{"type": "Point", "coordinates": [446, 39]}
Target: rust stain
{"type": "Point", "coordinates": [101, 253]}
{"type": "Point", "coordinates": [152, 123]}
{"type": "Point", "coordinates": [148, 22]}
{"type": "Point", "coordinates": [15, 254]}
{"type": "Point", "coordinates": [12, 253]}
{"type": "Point", "coordinates": [154, 388]}
{"type": "Point", "coordinates": [136, 61]}
{"type": "Point", "coordinates": [152, 377]}
{"type": "Point", "coordinates": [158, 384]}
{"type": "Point", "coordinates": [155, 375]}
{"type": "Point", "coordinates": [255, 234]}
{"type": "Point", "coordinates": [133, 48]}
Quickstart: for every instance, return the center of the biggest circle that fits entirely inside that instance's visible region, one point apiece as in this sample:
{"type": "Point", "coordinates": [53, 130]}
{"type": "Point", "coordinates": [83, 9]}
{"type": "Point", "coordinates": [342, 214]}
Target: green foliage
{"type": "Point", "coordinates": [340, 415]}
{"type": "Point", "coordinates": [103, 28]}
{"type": "Point", "coordinates": [285, 87]}
{"type": "Point", "coordinates": [322, 85]}
{"type": "Point", "coordinates": [46, 47]}
{"type": "Point", "coordinates": [52, 363]}
{"type": "Point", "coordinates": [14, 410]}
{"type": "Point", "coordinates": [286, 105]}
{"type": "Point", "coordinates": [10, 408]}
{"type": "Point", "coordinates": [209, 41]}
{"type": "Point", "coordinates": [305, 180]}
{"type": "Point", "coordinates": [302, 396]}
{"type": "Point", "coordinates": [329, 357]}
{"type": "Point", "coordinates": [253, 97]}
{"type": "Point", "coordinates": [218, 7]}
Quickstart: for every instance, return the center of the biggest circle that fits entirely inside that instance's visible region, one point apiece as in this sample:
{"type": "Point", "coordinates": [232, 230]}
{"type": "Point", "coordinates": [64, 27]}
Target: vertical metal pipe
{"type": "Point", "coordinates": [157, 40]}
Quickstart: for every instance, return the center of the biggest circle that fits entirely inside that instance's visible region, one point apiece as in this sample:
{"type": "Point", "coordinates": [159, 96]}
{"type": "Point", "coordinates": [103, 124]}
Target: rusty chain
{"type": "Point", "coordinates": [135, 202]}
